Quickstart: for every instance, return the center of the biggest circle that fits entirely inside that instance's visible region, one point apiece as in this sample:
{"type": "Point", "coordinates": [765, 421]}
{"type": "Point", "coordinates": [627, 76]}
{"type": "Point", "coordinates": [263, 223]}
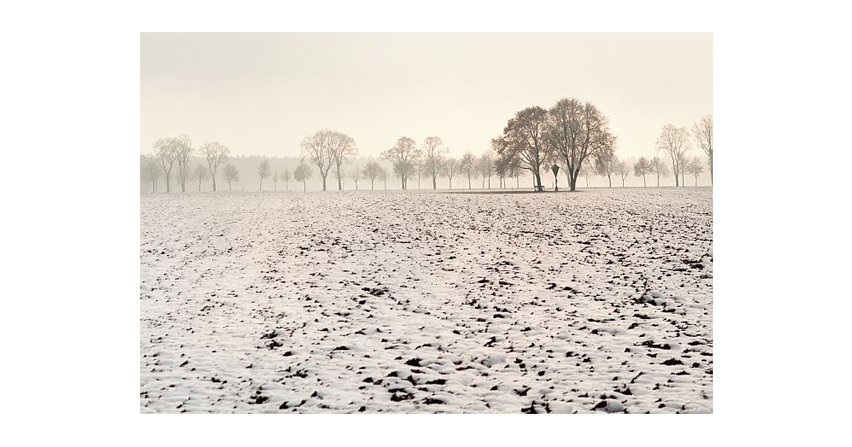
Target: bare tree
{"type": "Point", "coordinates": [576, 131]}
{"type": "Point", "coordinates": [585, 171]}
{"type": "Point", "coordinates": [263, 171]}
{"type": "Point", "coordinates": [321, 148]}
{"type": "Point", "coordinates": [502, 167]}
{"type": "Point", "coordinates": [215, 154]}
{"type": "Point", "coordinates": [524, 138]}
{"type": "Point", "coordinates": [485, 165]}
{"type": "Point", "coordinates": [149, 171]}
{"type": "Point", "coordinates": [372, 171]}
{"type": "Point", "coordinates": [468, 165]}
{"type": "Point", "coordinates": [623, 169]}
{"type": "Point", "coordinates": [275, 182]}
{"type": "Point", "coordinates": [302, 174]}
{"type": "Point", "coordinates": [384, 176]}
{"type": "Point", "coordinates": [703, 133]}
{"type": "Point", "coordinates": [285, 176]}
{"type": "Point", "coordinates": [342, 148]}
{"type": "Point", "coordinates": [659, 168]}
{"type": "Point", "coordinates": [355, 174]}
{"type": "Point", "coordinates": [231, 174]}
{"type": "Point", "coordinates": [200, 174]}
{"type": "Point", "coordinates": [695, 166]}
{"type": "Point", "coordinates": [167, 153]}
{"type": "Point", "coordinates": [642, 167]}
{"type": "Point", "coordinates": [183, 149]}
{"type": "Point", "coordinates": [605, 165]}
{"type": "Point", "coordinates": [449, 168]}
{"type": "Point", "coordinates": [403, 155]}
{"type": "Point", "coordinates": [433, 154]}
{"type": "Point", "coordinates": [515, 171]}
{"type": "Point", "coordinates": [674, 141]}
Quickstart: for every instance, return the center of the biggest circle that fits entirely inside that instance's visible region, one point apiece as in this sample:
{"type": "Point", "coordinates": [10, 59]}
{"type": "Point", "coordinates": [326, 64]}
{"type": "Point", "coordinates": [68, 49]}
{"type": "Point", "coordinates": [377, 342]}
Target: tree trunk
{"type": "Point", "coordinates": [213, 176]}
{"type": "Point", "coordinates": [304, 186]}
{"type": "Point", "coordinates": [229, 186]}
{"type": "Point", "coordinates": [609, 179]}
{"type": "Point", "coordinates": [644, 183]}
{"type": "Point", "coordinates": [371, 184]}
{"type": "Point", "coordinates": [323, 180]}
{"type": "Point", "coordinates": [339, 180]}
{"type": "Point", "coordinates": [261, 183]}
{"type": "Point", "coordinates": [468, 181]}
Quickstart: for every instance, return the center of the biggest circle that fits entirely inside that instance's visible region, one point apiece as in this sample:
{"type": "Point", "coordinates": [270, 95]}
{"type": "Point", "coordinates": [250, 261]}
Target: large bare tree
{"type": "Point", "coordinates": [641, 168]}
{"type": "Point", "coordinates": [576, 131]}
{"type": "Point", "coordinates": [703, 133]}
{"type": "Point", "coordinates": [372, 171]}
{"type": "Point", "coordinates": [231, 174]}
{"type": "Point", "coordinates": [674, 141]}
{"type": "Point", "coordinates": [167, 153]}
{"type": "Point", "coordinates": [215, 154]}
{"type": "Point", "coordinates": [183, 150]}
{"type": "Point", "coordinates": [525, 139]}
{"type": "Point", "coordinates": [403, 156]}
{"type": "Point", "coordinates": [433, 154]}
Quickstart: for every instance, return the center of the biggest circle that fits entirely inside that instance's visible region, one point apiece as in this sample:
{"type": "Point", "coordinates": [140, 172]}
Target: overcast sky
{"type": "Point", "coordinates": [261, 94]}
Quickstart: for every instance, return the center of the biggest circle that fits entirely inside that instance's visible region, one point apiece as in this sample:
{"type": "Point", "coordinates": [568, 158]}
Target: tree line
{"type": "Point", "coordinates": [572, 137]}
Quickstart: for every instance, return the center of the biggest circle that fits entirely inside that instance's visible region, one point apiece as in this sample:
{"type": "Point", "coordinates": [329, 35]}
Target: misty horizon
{"type": "Point", "coordinates": [262, 94]}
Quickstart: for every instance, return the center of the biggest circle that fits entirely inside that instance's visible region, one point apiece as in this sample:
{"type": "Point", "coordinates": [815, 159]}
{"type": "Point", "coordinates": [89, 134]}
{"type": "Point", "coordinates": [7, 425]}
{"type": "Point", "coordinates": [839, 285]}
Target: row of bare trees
{"type": "Point", "coordinates": [675, 142]}
{"type": "Point", "coordinates": [572, 136]}
{"type": "Point", "coordinates": [171, 150]}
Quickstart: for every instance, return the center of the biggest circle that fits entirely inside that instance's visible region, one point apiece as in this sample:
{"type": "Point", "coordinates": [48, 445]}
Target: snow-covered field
{"type": "Point", "coordinates": [366, 301]}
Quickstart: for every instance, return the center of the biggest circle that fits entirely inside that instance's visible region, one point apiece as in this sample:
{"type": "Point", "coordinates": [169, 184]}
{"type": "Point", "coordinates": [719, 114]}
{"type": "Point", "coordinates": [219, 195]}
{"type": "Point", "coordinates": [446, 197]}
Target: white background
{"type": "Point", "coordinates": [69, 93]}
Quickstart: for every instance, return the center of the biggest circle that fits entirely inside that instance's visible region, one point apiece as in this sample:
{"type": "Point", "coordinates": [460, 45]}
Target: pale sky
{"type": "Point", "coordinates": [261, 94]}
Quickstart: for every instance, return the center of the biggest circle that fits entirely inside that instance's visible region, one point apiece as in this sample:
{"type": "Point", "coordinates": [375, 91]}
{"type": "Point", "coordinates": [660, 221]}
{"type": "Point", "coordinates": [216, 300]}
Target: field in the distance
{"type": "Point", "coordinates": [414, 301]}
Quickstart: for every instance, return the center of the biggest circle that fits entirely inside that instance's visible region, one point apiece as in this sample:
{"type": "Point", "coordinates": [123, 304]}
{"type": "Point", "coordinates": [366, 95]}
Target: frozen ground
{"type": "Point", "coordinates": [423, 302]}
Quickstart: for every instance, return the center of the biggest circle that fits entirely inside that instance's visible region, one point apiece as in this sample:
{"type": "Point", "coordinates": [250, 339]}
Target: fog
{"type": "Point", "coordinates": [262, 94]}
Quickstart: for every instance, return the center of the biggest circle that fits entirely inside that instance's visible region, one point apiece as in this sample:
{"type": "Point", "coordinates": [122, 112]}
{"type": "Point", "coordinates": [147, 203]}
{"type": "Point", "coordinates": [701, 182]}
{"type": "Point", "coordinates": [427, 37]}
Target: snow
{"type": "Point", "coordinates": [422, 302]}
